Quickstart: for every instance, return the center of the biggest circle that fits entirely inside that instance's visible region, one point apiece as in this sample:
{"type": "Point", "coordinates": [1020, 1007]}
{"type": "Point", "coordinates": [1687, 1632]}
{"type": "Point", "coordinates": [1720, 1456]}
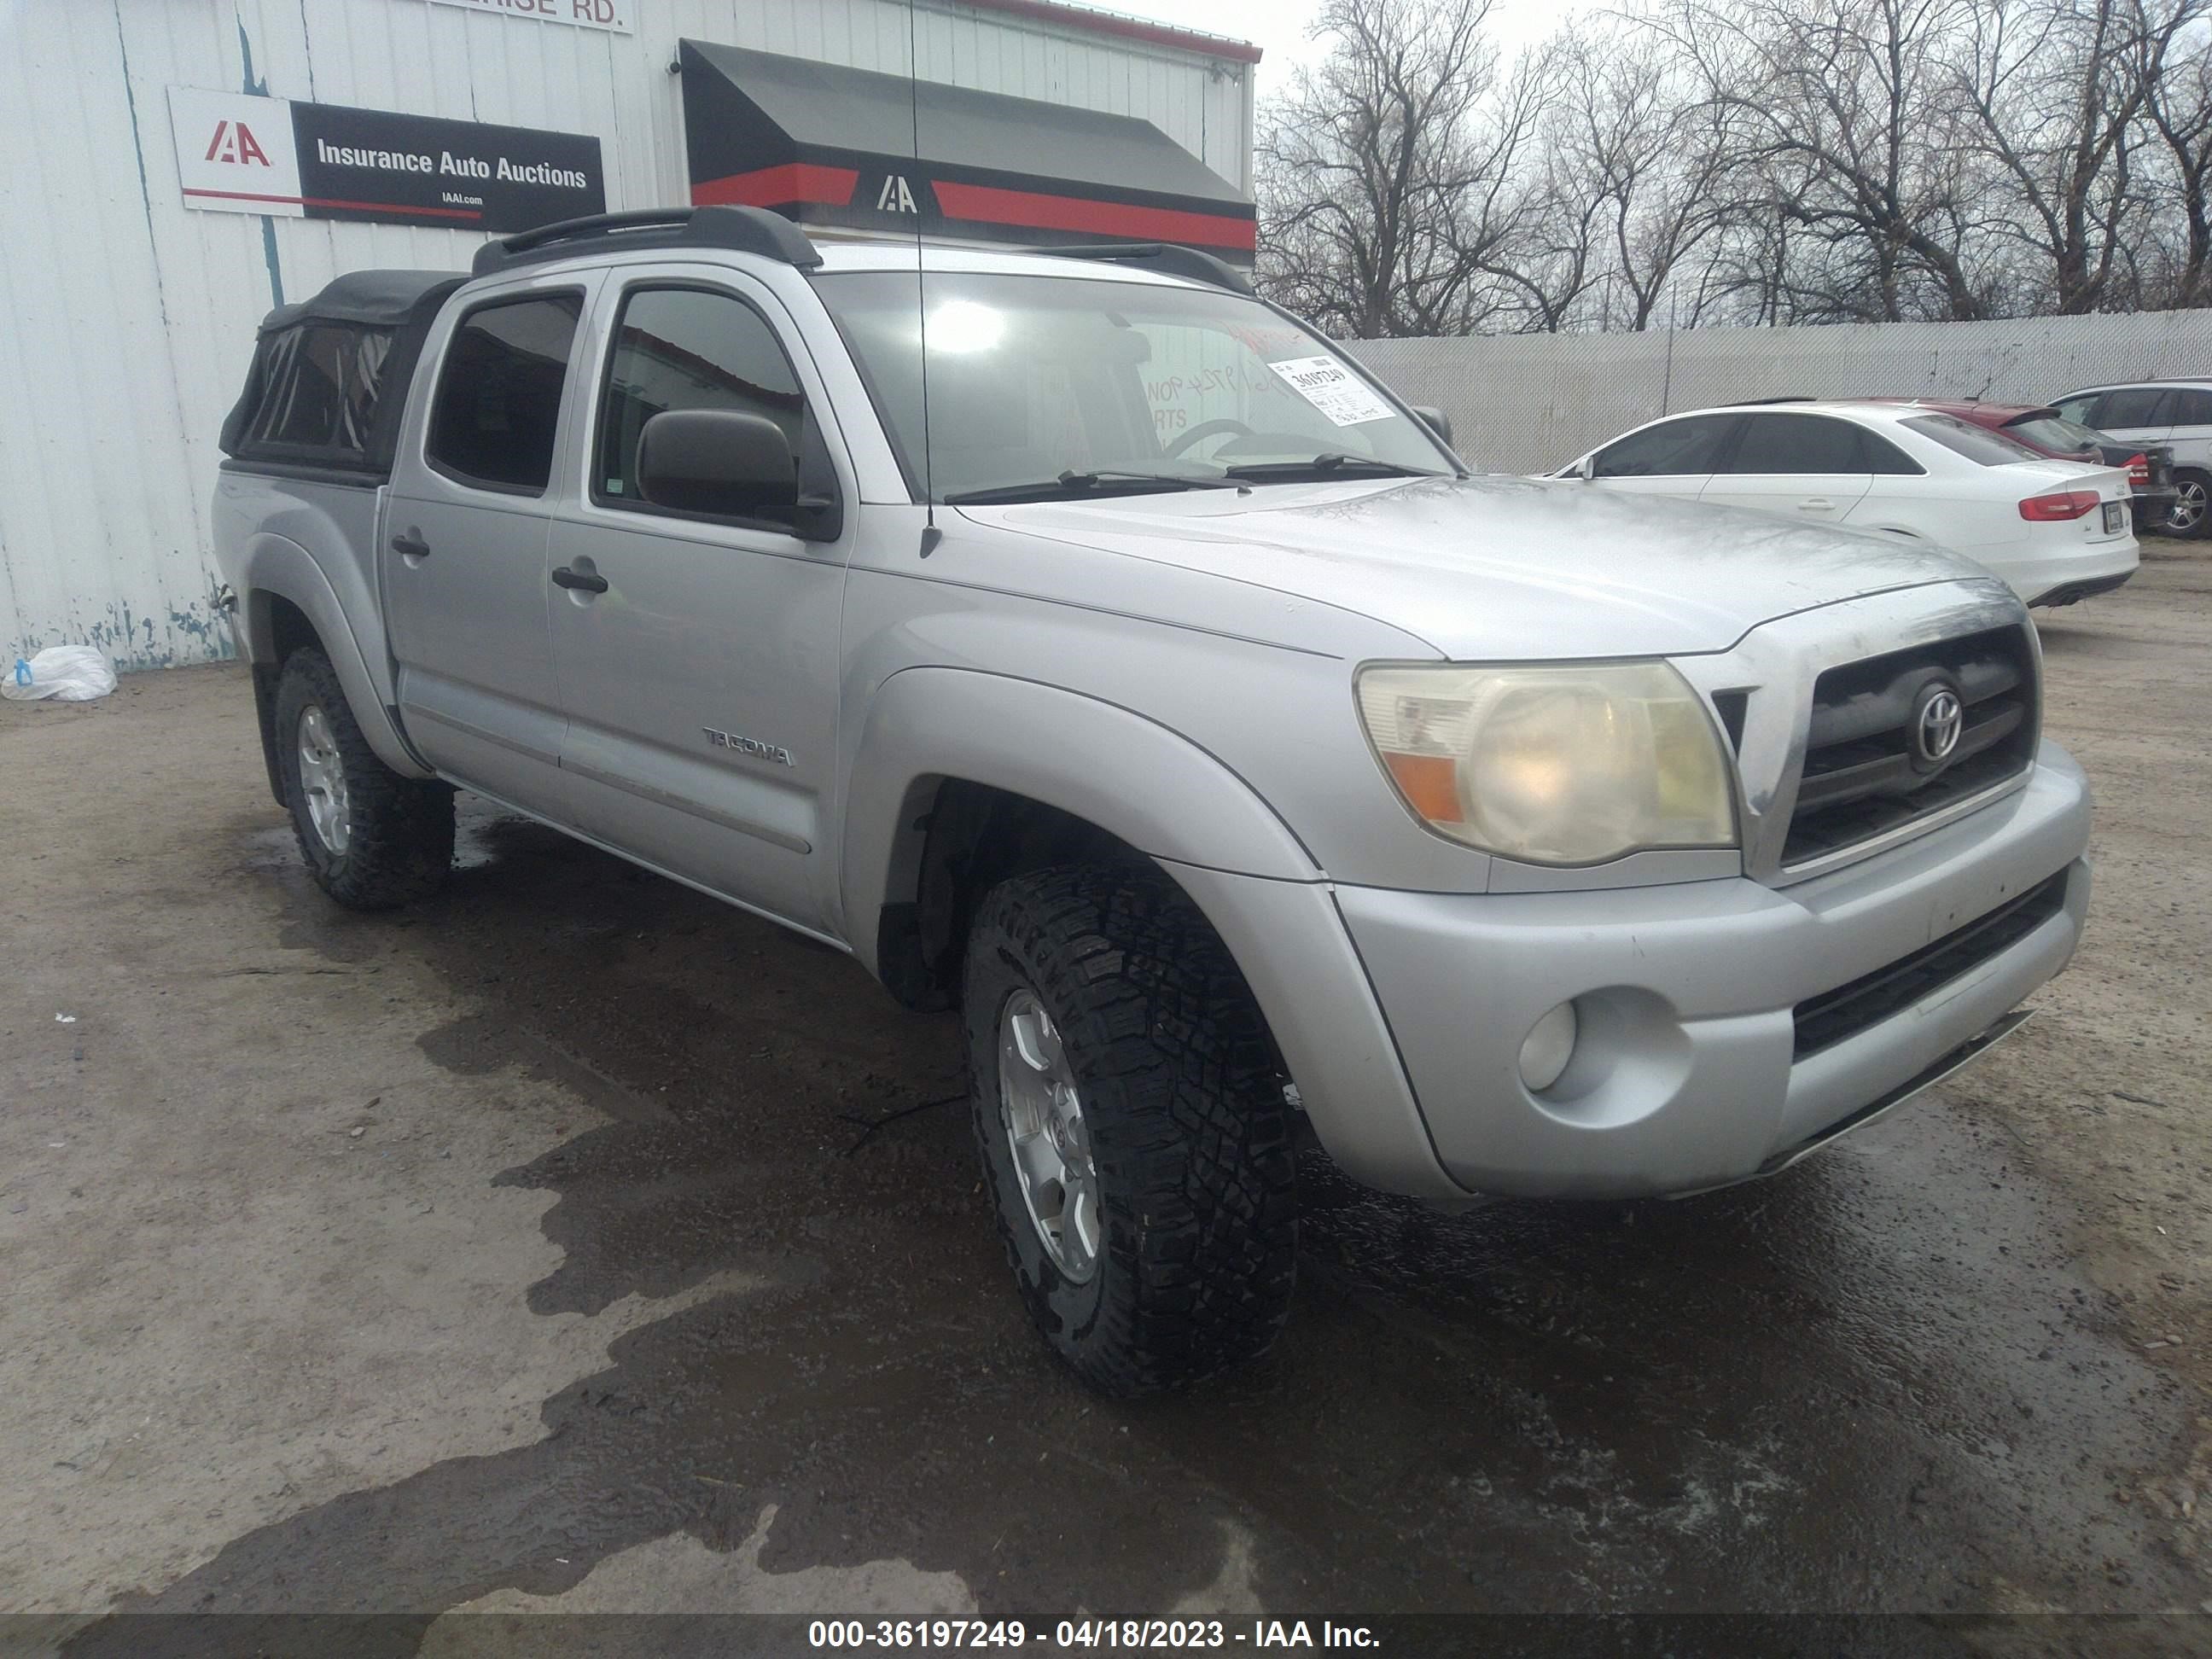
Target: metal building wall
{"type": "Point", "coordinates": [1530, 403]}
{"type": "Point", "coordinates": [126, 318]}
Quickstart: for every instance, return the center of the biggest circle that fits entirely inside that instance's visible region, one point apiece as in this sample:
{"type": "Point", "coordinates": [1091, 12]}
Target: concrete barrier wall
{"type": "Point", "coordinates": [1528, 402]}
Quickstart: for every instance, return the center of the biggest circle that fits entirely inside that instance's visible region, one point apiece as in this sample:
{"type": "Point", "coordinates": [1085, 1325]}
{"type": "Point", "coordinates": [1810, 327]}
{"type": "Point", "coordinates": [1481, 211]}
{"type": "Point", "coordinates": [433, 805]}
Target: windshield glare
{"type": "Point", "coordinates": [1034, 377]}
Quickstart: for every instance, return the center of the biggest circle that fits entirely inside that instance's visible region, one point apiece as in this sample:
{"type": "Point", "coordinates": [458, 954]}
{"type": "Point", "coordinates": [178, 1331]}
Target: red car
{"type": "Point", "coordinates": [2045, 431]}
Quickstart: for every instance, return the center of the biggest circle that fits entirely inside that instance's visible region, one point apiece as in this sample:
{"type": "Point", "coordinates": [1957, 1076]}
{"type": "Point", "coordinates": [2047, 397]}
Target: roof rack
{"type": "Point", "coordinates": [1171, 257]}
{"type": "Point", "coordinates": [742, 229]}
{"type": "Point", "coordinates": [1753, 403]}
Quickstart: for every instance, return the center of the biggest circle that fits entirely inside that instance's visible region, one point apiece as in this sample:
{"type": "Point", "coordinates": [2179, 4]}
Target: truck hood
{"type": "Point", "coordinates": [1500, 566]}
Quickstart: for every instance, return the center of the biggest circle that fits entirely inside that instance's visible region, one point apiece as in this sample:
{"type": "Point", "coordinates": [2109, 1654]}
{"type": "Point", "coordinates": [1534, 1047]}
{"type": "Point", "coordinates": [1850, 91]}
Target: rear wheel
{"type": "Point", "coordinates": [373, 839]}
{"type": "Point", "coordinates": [1131, 1125]}
{"type": "Point", "coordinates": [2189, 517]}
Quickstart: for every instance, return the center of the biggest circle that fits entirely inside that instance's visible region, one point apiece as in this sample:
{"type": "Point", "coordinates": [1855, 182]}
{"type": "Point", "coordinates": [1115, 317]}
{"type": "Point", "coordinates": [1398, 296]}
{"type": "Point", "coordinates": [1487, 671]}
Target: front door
{"type": "Point", "coordinates": [463, 566]}
{"type": "Point", "coordinates": [1667, 457]}
{"type": "Point", "coordinates": [697, 655]}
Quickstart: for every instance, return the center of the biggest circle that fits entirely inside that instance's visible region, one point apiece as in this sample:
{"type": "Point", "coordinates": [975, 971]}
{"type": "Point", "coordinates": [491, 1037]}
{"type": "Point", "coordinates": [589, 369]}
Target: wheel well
{"type": "Point", "coordinates": [959, 839]}
{"type": "Point", "coordinates": [277, 627]}
{"type": "Point", "coordinates": [288, 628]}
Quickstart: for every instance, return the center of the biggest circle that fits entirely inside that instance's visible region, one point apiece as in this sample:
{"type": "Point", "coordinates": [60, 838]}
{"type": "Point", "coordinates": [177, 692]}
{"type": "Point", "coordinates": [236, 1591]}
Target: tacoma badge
{"type": "Point", "coordinates": [753, 746]}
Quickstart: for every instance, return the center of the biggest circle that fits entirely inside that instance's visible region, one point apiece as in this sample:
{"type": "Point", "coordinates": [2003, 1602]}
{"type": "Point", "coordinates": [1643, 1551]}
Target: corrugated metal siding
{"type": "Point", "coordinates": [126, 318]}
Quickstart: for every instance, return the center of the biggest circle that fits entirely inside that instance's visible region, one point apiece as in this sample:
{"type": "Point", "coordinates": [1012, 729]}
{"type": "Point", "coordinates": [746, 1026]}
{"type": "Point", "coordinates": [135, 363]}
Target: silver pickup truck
{"type": "Point", "coordinates": [1144, 679]}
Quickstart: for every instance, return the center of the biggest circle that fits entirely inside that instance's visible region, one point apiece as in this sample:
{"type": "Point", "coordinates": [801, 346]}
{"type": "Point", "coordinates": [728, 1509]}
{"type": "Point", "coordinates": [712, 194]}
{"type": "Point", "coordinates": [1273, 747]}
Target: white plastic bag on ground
{"type": "Point", "coordinates": [67, 673]}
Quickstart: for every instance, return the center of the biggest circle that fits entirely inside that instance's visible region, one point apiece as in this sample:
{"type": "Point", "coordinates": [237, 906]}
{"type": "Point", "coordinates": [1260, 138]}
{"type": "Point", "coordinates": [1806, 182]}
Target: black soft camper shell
{"type": "Point", "coordinates": [328, 385]}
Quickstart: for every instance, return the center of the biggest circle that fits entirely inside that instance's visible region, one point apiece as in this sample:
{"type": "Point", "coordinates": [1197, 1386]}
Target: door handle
{"type": "Point", "coordinates": [579, 580]}
{"type": "Point", "coordinates": [1816, 504]}
{"type": "Point", "coordinates": [411, 544]}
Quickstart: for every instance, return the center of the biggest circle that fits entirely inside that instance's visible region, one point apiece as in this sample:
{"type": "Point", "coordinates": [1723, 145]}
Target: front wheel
{"type": "Point", "coordinates": [2188, 519]}
{"type": "Point", "coordinates": [373, 839]}
{"type": "Point", "coordinates": [1132, 1123]}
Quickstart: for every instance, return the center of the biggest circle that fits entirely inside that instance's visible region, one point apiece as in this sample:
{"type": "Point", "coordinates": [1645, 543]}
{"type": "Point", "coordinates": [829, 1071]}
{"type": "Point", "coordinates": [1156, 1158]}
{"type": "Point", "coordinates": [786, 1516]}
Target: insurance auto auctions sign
{"type": "Point", "coordinates": [239, 153]}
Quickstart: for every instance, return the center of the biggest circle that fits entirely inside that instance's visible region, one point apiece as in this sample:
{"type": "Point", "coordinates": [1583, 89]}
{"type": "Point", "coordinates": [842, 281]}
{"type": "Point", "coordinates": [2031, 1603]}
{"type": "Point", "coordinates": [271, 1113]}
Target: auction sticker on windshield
{"type": "Point", "coordinates": [1330, 388]}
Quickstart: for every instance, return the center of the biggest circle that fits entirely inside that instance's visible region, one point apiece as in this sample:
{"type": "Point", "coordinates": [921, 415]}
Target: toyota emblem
{"type": "Point", "coordinates": [1936, 724]}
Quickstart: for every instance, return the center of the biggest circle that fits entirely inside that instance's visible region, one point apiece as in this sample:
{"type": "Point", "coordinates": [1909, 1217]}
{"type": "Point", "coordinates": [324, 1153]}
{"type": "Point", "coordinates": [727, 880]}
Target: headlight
{"type": "Point", "coordinates": [1561, 763]}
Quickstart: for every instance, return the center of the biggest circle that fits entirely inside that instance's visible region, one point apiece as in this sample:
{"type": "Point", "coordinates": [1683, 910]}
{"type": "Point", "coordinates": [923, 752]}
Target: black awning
{"type": "Point", "coordinates": [836, 146]}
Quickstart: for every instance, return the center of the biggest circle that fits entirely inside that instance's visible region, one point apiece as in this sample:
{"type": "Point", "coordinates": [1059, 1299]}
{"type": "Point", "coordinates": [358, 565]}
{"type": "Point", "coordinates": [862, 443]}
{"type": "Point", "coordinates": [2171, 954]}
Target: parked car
{"type": "Point", "coordinates": [2045, 431]}
{"type": "Point", "coordinates": [2055, 531]}
{"type": "Point", "coordinates": [2174, 414]}
{"type": "Point", "coordinates": [1248, 777]}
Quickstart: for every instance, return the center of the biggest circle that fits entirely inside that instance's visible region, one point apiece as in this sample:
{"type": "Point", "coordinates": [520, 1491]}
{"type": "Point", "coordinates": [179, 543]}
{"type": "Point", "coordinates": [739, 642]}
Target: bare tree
{"type": "Point", "coordinates": [1386, 172]}
{"type": "Point", "coordinates": [2178, 112]}
{"type": "Point", "coordinates": [1844, 108]}
{"type": "Point", "coordinates": [1742, 161]}
{"type": "Point", "coordinates": [1653, 164]}
{"type": "Point", "coordinates": [2054, 92]}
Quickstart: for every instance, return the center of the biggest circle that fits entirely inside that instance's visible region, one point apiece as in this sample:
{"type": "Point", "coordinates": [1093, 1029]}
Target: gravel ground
{"type": "Point", "coordinates": [534, 1250]}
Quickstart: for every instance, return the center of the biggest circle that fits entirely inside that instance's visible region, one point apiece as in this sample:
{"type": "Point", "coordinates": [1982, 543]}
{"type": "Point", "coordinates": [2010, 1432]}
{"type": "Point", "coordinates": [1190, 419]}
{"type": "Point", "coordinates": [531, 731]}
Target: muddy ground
{"type": "Point", "coordinates": [560, 1245]}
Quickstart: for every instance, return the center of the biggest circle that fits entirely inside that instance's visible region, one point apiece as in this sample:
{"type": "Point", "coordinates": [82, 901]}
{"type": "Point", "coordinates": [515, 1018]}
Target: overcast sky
{"type": "Point", "coordinates": [1279, 26]}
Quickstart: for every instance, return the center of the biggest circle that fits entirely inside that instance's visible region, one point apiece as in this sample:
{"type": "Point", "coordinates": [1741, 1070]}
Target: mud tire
{"type": "Point", "coordinates": [1183, 1097]}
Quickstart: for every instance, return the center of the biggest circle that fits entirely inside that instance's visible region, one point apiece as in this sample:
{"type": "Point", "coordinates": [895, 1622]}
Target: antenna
{"type": "Point", "coordinates": [930, 535]}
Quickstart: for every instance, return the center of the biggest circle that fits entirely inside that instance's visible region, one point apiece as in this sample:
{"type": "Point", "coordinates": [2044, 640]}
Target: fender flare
{"type": "Point", "coordinates": [279, 567]}
{"type": "Point", "coordinates": [1115, 769]}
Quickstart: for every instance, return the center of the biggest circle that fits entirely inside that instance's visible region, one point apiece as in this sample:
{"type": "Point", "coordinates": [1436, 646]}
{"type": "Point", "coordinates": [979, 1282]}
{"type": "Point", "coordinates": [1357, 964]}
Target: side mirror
{"type": "Point", "coordinates": [1436, 421]}
{"type": "Point", "coordinates": [1584, 468]}
{"type": "Point", "coordinates": [721, 461]}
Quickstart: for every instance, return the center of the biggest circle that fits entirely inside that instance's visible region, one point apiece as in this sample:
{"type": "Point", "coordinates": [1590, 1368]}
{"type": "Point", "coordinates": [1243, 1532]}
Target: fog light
{"type": "Point", "coordinates": [1547, 1047]}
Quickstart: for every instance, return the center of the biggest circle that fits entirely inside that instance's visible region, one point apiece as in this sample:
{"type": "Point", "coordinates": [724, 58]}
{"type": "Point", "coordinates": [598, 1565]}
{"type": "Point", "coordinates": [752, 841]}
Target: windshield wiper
{"type": "Point", "coordinates": [1332, 465]}
{"type": "Point", "coordinates": [1073, 482]}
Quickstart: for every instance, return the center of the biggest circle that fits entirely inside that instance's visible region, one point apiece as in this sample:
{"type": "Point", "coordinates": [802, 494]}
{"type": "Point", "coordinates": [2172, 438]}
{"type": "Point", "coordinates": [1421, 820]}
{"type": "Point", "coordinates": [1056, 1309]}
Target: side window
{"type": "Point", "coordinates": [2134, 405]}
{"type": "Point", "coordinates": [2081, 411]}
{"type": "Point", "coordinates": [1671, 447]}
{"type": "Point", "coordinates": [499, 396]}
{"type": "Point", "coordinates": [1884, 460]}
{"type": "Point", "coordinates": [2189, 406]}
{"type": "Point", "coordinates": [1797, 443]}
{"type": "Point", "coordinates": [319, 390]}
{"type": "Point", "coordinates": [678, 348]}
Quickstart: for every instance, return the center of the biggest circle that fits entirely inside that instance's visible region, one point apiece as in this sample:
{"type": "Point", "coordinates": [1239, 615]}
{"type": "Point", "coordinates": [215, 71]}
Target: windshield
{"type": "Point", "coordinates": [1042, 386]}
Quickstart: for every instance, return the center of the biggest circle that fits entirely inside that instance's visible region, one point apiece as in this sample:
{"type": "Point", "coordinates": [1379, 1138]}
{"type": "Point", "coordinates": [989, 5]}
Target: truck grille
{"type": "Point", "coordinates": [1849, 1009]}
{"type": "Point", "coordinates": [1863, 775]}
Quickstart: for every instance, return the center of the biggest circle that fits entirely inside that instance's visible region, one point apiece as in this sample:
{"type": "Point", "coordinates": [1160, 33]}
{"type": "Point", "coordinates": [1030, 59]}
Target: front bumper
{"type": "Point", "coordinates": [1688, 990]}
{"type": "Point", "coordinates": [1689, 1075]}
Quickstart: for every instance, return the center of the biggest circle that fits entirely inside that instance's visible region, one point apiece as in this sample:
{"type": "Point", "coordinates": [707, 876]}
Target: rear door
{"type": "Point", "coordinates": [1811, 467]}
{"type": "Point", "coordinates": [2138, 414]}
{"type": "Point", "coordinates": [463, 568]}
{"type": "Point", "coordinates": [1667, 457]}
{"type": "Point", "coordinates": [698, 664]}
{"type": "Point", "coordinates": [2190, 433]}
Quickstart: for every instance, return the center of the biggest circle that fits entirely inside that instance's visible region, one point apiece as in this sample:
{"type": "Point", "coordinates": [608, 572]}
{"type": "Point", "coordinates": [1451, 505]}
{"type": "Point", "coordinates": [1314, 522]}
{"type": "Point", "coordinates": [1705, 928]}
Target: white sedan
{"type": "Point", "coordinates": [2055, 531]}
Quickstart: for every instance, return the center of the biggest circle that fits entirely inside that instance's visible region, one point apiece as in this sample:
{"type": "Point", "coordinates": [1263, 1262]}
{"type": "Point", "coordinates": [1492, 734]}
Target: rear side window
{"type": "Point", "coordinates": [688, 348]}
{"type": "Point", "coordinates": [2133, 405]}
{"type": "Point", "coordinates": [318, 393]}
{"type": "Point", "coordinates": [2189, 406]}
{"type": "Point", "coordinates": [1977, 443]}
{"type": "Point", "coordinates": [1884, 460]}
{"type": "Point", "coordinates": [498, 397]}
{"type": "Point", "coordinates": [1670, 448]}
{"type": "Point", "coordinates": [1798, 443]}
